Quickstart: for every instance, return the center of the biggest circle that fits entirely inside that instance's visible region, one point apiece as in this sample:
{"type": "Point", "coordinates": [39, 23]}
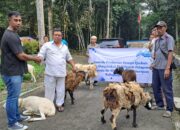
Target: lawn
{"type": "Point", "coordinates": [1, 84]}
{"type": "Point", "coordinates": [39, 70]}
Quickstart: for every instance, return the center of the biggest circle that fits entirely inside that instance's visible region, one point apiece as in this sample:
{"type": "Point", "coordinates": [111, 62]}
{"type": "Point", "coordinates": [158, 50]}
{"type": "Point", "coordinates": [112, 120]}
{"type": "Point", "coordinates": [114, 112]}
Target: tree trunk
{"type": "Point", "coordinates": [90, 17]}
{"type": "Point", "coordinates": [80, 37]}
{"type": "Point", "coordinates": [65, 19]}
{"type": "Point", "coordinates": [50, 25]}
{"type": "Point", "coordinates": [40, 20]}
{"type": "Point", "coordinates": [176, 25]}
{"type": "Point", "coordinates": [119, 30]}
{"type": "Point", "coordinates": [108, 14]}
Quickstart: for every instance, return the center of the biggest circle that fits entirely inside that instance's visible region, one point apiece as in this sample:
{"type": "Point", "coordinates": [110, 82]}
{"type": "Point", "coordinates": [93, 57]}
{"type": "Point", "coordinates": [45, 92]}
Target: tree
{"type": "Point", "coordinates": [40, 20]}
{"type": "Point", "coordinates": [160, 11]}
{"type": "Point", "coordinates": [79, 19]}
{"type": "Point", "coordinates": [108, 21]}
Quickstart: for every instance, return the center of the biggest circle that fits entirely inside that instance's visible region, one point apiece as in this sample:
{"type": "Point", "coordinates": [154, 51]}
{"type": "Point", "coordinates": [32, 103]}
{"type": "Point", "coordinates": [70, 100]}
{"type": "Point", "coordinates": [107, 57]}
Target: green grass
{"type": "Point", "coordinates": [2, 86]}
{"type": "Point", "coordinates": [39, 70]}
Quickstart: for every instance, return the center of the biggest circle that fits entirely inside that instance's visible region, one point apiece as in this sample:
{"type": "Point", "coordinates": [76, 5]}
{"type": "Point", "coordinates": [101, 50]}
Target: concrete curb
{"type": "Point", "coordinates": [24, 93]}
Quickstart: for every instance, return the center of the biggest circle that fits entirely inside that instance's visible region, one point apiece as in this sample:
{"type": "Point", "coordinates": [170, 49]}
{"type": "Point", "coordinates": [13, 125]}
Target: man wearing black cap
{"type": "Point", "coordinates": [162, 73]}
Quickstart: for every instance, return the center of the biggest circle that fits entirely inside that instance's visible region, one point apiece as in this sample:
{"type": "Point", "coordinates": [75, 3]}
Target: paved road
{"type": "Point", "coordinates": [85, 115]}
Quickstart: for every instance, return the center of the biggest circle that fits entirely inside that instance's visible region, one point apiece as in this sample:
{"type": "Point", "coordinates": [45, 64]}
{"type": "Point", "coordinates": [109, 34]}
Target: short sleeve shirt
{"type": "Point", "coordinates": [166, 43]}
{"type": "Point", "coordinates": [91, 46]}
{"type": "Point", "coordinates": [55, 58]}
{"type": "Point", "coordinates": [10, 47]}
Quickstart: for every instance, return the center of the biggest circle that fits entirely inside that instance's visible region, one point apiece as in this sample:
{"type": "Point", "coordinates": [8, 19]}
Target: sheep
{"type": "Point", "coordinates": [72, 81]}
{"type": "Point", "coordinates": [127, 75]}
{"type": "Point", "coordinates": [90, 69]}
{"type": "Point", "coordinates": [35, 105]}
{"type": "Point", "coordinates": [31, 71]}
{"type": "Point", "coordinates": [124, 96]}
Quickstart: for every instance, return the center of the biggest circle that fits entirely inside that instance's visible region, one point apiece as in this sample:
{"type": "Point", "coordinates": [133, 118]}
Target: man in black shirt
{"type": "Point", "coordinates": [13, 66]}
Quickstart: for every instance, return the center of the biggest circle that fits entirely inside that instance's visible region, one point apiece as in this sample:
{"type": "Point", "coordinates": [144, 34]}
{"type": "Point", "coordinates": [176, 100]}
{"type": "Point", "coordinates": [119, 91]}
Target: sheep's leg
{"type": "Point", "coordinates": [91, 80]}
{"type": "Point", "coordinates": [4, 105]}
{"type": "Point", "coordinates": [127, 115]}
{"type": "Point", "coordinates": [65, 94]}
{"type": "Point", "coordinates": [115, 113]}
{"type": "Point", "coordinates": [34, 79]}
{"type": "Point", "coordinates": [87, 79]}
{"type": "Point", "coordinates": [43, 117]}
{"type": "Point", "coordinates": [27, 112]}
{"type": "Point", "coordinates": [65, 97]}
{"type": "Point", "coordinates": [32, 75]}
{"type": "Point", "coordinates": [30, 113]}
{"type": "Point", "coordinates": [87, 82]}
{"type": "Point", "coordinates": [72, 97]}
{"type": "Point", "coordinates": [102, 115]}
{"type": "Point", "coordinates": [134, 117]}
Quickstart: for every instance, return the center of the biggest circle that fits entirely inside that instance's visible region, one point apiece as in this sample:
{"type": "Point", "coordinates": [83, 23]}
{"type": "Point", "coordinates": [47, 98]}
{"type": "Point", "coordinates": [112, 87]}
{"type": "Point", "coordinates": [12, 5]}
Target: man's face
{"type": "Point", "coordinates": [57, 36]}
{"type": "Point", "coordinates": [15, 22]}
{"type": "Point", "coordinates": [161, 30]}
{"type": "Point", "coordinates": [46, 39]}
{"type": "Point", "coordinates": [154, 32]}
{"type": "Point", "coordinates": [93, 40]}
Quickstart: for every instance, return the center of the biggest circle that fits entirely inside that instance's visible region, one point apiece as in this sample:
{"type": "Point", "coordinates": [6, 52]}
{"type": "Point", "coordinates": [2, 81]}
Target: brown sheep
{"type": "Point", "coordinates": [127, 75]}
{"type": "Point", "coordinates": [91, 73]}
{"type": "Point", "coordinates": [72, 81]}
{"type": "Point", "coordinates": [124, 96]}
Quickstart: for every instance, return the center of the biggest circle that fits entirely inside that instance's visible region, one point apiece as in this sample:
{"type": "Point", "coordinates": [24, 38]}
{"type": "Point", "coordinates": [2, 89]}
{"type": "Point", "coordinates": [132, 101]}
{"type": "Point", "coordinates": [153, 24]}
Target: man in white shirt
{"type": "Point", "coordinates": [56, 55]}
{"type": "Point", "coordinates": [92, 44]}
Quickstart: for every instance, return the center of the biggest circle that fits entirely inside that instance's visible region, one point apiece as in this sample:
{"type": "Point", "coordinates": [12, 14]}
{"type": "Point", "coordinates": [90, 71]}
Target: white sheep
{"type": "Point", "coordinates": [31, 70]}
{"type": "Point", "coordinates": [91, 72]}
{"type": "Point", "coordinates": [35, 105]}
{"type": "Point", "coordinates": [38, 106]}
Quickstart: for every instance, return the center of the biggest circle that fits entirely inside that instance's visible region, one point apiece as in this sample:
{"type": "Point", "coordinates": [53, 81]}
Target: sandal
{"type": "Point", "coordinates": [60, 109]}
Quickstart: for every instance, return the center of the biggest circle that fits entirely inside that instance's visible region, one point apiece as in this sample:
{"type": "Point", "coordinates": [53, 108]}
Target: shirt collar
{"type": "Point", "coordinates": [163, 36]}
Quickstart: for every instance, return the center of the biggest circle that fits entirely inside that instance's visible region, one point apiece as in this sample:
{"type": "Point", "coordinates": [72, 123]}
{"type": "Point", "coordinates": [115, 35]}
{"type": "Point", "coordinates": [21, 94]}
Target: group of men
{"type": "Point", "coordinates": [55, 55]}
{"type": "Point", "coordinates": [14, 65]}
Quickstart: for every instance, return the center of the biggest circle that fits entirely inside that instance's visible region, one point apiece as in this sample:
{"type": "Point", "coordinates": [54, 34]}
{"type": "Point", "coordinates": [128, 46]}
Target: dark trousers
{"type": "Point", "coordinates": [159, 84]}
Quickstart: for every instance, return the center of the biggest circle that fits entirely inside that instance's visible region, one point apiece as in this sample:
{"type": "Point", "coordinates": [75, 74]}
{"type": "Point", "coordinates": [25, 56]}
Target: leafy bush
{"type": "Point", "coordinates": [31, 46]}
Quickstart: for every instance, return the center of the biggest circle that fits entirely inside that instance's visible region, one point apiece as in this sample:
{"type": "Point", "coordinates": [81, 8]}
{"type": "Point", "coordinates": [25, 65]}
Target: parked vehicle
{"type": "Point", "coordinates": [111, 43]}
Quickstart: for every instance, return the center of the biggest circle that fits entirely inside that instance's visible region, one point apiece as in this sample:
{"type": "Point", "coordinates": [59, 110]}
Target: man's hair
{"type": "Point", "coordinates": [57, 30]}
{"type": "Point", "coordinates": [45, 36]}
{"type": "Point", "coordinates": [93, 37]}
{"type": "Point", "coordinates": [13, 13]}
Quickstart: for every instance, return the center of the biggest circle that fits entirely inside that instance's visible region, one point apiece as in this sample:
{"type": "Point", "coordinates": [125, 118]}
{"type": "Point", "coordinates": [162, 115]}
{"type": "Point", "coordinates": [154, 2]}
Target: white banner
{"type": "Point", "coordinates": [108, 59]}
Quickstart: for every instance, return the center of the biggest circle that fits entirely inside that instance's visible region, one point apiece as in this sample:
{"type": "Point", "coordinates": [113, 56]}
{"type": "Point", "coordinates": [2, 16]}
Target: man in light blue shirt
{"type": "Point", "coordinates": [64, 42]}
